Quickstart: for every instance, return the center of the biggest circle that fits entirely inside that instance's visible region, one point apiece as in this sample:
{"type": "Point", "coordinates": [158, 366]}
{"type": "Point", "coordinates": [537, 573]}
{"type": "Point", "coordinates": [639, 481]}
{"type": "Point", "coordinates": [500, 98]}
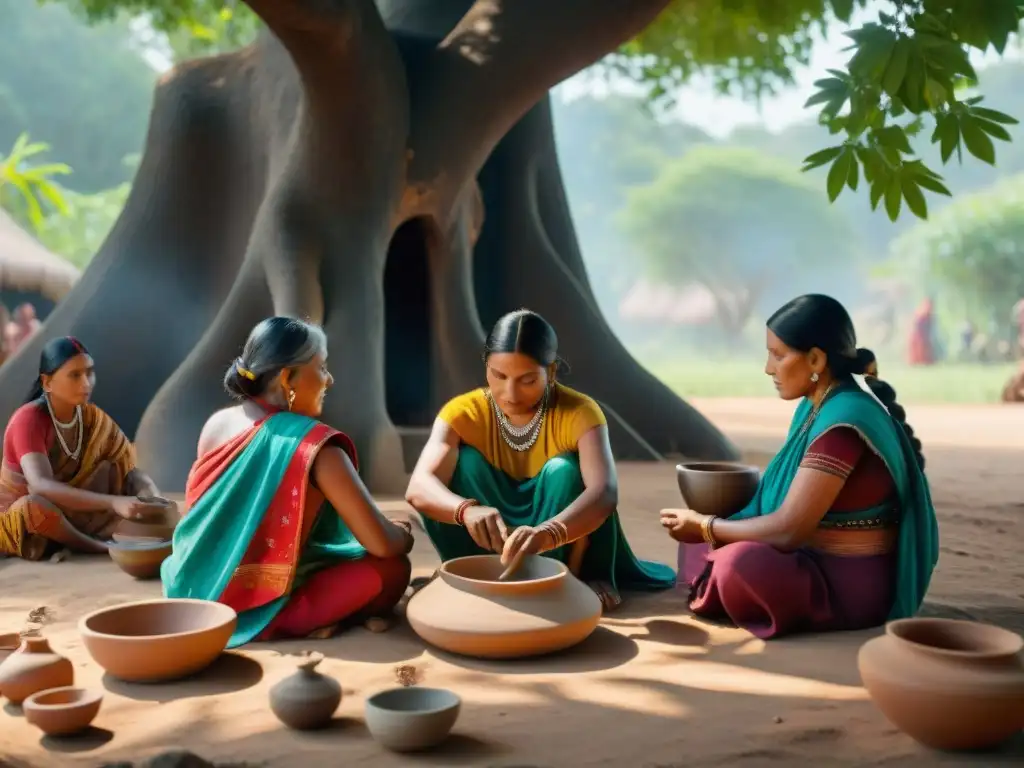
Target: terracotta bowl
{"type": "Point", "coordinates": [718, 488]}
{"type": "Point", "coordinates": [139, 556]}
{"type": "Point", "coordinates": [62, 711]}
{"type": "Point", "coordinates": [157, 640]}
{"type": "Point", "coordinates": [411, 719]}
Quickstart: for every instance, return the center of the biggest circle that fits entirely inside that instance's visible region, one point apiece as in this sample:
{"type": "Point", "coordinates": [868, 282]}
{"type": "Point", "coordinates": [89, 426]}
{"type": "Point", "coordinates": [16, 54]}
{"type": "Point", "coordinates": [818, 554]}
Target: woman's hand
{"type": "Point", "coordinates": [528, 541]}
{"type": "Point", "coordinates": [405, 531]}
{"type": "Point", "coordinates": [133, 508]}
{"type": "Point", "coordinates": [683, 525]}
{"type": "Point", "coordinates": [486, 528]}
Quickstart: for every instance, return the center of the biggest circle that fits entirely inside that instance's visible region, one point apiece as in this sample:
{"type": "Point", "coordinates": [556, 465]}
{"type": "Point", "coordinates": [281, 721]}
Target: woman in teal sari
{"type": "Point", "coordinates": [278, 524]}
{"type": "Point", "coordinates": [841, 533]}
{"type": "Point", "coordinates": [525, 465]}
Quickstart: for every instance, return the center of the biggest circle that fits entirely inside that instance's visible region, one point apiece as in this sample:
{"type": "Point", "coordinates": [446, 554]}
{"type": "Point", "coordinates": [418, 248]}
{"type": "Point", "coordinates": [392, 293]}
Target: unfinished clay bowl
{"type": "Point", "coordinates": [411, 719]}
{"type": "Point", "coordinates": [157, 640]}
{"type": "Point", "coordinates": [948, 684]}
{"type": "Point", "coordinates": [139, 556]}
{"type": "Point", "coordinates": [719, 488]}
{"type": "Point", "coordinates": [542, 608]}
{"type": "Point", "coordinates": [62, 711]}
{"type": "Point", "coordinates": [33, 667]}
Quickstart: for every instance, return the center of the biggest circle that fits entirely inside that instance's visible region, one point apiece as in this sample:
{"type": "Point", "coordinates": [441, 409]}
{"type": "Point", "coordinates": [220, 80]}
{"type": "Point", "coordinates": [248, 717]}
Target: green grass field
{"type": "Point", "coordinates": [944, 383]}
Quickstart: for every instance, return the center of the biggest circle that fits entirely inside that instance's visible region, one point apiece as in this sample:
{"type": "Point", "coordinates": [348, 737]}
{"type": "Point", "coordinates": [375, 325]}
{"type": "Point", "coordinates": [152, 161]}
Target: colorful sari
{"type": "Point", "coordinates": [608, 557]}
{"type": "Point", "coordinates": [28, 522]}
{"type": "Point", "coordinates": [771, 592]}
{"type": "Point", "coordinates": [255, 531]}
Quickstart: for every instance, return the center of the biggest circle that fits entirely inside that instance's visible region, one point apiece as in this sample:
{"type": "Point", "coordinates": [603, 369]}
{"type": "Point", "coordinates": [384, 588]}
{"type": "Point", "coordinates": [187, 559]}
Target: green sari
{"type": "Point", "coordinates": [531, 502]}
{"type": "Point", "coordinates": [248, 539]}
{"type": "Point", "coordinates": [917, 550]}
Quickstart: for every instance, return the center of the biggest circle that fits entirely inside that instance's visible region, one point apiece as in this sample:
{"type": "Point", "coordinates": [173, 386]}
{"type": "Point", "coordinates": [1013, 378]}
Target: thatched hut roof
{"type": "Point", "coordinates": [25, 265]}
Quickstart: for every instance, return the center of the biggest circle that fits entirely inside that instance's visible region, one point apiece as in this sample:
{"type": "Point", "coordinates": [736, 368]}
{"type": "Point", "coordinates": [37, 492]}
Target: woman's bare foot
{"type": "Point", "coordinates": [609, 595]}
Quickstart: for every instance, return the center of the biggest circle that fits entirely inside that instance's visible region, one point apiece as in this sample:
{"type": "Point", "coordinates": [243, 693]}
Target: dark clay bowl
{"type": "Point", "coordinates": [718, 488]}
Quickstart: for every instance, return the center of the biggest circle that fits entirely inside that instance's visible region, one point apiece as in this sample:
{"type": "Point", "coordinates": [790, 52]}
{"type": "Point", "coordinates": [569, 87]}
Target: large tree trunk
{"type": "Point", "coordinates": [330, 172]}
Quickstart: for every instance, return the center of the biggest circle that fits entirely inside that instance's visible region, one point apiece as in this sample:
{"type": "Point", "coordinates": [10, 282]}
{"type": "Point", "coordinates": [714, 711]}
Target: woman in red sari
{"type": "Point", "coordinates": [279, 525]}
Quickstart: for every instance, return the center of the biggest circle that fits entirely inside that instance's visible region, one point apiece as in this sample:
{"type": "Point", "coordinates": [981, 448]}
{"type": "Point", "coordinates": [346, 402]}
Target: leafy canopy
{"type": "Point", "coordinates": [907, 70]}
{"type": "Point", "coordinates": [974, 247]}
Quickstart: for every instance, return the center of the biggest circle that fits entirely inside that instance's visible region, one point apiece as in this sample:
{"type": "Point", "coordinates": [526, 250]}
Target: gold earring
{"type": "Point", "coordinates": [291, 399]}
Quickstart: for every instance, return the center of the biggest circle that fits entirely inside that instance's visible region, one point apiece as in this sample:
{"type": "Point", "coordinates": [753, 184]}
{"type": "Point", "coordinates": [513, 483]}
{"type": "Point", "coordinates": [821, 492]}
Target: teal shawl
{"type": "Point", "coordinates": [917, 548]}
{"type": "Point", "coordinates": [250, 496]}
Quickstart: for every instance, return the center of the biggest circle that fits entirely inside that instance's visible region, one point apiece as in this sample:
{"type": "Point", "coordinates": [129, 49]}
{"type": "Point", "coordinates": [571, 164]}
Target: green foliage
{"type": "Point", "coordinates": [908, 68]}
{"type": "Point", "coordinates": [974, 248]}
{"type": "Point", "coordinates": [27, 190]}
{"type": "Point", "coordinates": [84, 91]}
{"type": "Point", "coordinates": [735, 220]}
{"type": "Point", "coordinates": [78, 235]}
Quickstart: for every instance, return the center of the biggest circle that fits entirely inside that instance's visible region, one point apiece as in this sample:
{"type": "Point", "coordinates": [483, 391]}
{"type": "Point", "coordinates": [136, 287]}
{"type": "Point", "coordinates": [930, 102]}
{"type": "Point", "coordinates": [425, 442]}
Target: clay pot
{"type": "Point", "coordinates": [542, 608]}
{"type": "Point", "coordinates": [139, 556]}
{"type": "Point", "coordinates": [717, 488]}
{"type": "Point", "coordinates": [954, 685]}
{"type": "Point", "coordinates": [34, 667]}
{"type": "Point", "coordinates": [411, 719]}
{"type": "Point", "coordinates": [62, 711]}
{"type": "Point", "coordinates": [157, 640]}
{"type": "Point", "coordinates": [307, 699]}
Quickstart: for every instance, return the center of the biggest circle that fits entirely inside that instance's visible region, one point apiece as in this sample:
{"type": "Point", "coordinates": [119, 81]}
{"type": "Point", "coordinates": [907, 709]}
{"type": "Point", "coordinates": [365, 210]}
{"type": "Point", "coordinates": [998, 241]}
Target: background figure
{"type": "Point", "coordinates": [19, 330]}
{"type": "Point", "coordinates": [922, 340]}
{"type": "Point", "coordinates": [1017, 316]}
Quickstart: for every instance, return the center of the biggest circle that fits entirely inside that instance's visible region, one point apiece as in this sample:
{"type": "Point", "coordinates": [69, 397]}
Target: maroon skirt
{"type": "Point", "coordinates": [770, 593]}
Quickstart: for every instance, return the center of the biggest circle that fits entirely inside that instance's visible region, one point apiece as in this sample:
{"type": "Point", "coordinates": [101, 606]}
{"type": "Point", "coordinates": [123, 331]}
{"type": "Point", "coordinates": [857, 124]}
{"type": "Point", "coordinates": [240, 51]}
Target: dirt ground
{"type": "Point", "coordinates": [652, 687]}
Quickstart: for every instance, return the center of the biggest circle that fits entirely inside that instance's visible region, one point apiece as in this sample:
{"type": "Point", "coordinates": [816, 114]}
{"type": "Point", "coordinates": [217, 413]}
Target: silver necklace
{"type": "Point", "coordinates": [519, 438]}
{"type": "Point", "coordinates": [58, 426]}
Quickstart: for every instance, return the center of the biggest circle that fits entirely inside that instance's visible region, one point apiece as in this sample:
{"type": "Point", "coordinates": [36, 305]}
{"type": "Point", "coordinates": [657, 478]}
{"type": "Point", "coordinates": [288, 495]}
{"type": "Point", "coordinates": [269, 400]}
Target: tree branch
{"type": "Point", "coordinates": [500, 60]}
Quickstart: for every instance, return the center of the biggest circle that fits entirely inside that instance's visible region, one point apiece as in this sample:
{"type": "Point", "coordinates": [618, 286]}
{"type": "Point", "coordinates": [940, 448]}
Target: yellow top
{"type": "Point", "coordinates": [570, 415]}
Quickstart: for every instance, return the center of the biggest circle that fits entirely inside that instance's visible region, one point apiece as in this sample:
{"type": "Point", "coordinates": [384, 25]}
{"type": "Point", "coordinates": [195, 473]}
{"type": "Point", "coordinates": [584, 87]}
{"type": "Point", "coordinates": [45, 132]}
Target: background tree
{"type": "Point", "coordinates": [51, 66]}
{"type": "Point", "coordinates": [743, 225]}
{"type": "Point", "coordinates": [341, 169]}
{"type": "Point", "coordinates": [27, 188]}
{"type": "Point", "coordinates": [973, 252]}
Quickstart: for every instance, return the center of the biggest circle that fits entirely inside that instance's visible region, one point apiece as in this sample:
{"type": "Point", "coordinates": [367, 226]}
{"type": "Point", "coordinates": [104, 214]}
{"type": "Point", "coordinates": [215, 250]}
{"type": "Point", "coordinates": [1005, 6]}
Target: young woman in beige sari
{"type": "Point", "coordinates": [68, 476]}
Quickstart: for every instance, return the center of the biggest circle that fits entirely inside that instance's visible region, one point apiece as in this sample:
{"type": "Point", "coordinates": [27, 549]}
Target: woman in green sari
{"type": "Point", "coordinates": [525, 465]}
{"type": "Point", "coordinates": [278, 523]}
{"type": "Point", "coordinates": [841, 533]}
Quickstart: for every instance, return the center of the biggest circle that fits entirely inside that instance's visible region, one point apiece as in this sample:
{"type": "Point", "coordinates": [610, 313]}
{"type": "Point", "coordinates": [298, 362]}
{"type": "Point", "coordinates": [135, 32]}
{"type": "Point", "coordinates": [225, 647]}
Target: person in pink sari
{"type": "Point", "coordinates": [922, 345]}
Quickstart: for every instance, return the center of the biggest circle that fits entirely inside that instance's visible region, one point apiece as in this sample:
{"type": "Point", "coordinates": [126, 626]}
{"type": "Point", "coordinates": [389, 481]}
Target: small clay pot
{"type": "Point", "coordinates": [62, 711]}
{"type": "Point", "coordinates": [139, 556]}
{"type": "Point", "coordinates": [719, 488]}
{"type": "Point", "coordinates": [307, 699]}
{"type": "Point", "coordinates": [948, 684]}
{"type": "Point", "coordinates": [34, 667]}
{"type": "Point", "coordinates": [9, 643]}
{"type": "Point", "coordinates": [412, 719]}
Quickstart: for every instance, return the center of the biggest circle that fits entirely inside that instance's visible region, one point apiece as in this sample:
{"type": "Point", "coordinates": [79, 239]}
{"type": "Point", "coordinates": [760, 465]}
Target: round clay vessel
{"type": "Point", "coordinates": [719, 488]}
{"type": "Point", "coordinates": [139, 556]}
{"type": "Point", "coordinates": [949, 684]}
{"type": "Point", "coordinates": [157, 640]}
{"type": "Point", "coordinates": [62, 711]}
{"type": "Point", "coordinates": [307, 699]}
{"type": "Point", "coordinates": [411, 719]}
{"type": "Point", "coordinates": [542, 608]}
{"type": "Point", "coordinates": [33, 667]}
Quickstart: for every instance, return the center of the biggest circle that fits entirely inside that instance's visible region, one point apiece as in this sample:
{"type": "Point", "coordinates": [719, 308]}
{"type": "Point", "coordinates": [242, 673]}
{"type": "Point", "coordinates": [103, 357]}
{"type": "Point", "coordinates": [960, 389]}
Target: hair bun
{"type": "Point", "coordinates": [867, 364]}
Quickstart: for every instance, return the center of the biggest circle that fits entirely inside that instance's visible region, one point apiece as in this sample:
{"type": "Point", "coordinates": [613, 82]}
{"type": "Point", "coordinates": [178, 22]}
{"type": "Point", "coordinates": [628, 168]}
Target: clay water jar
{"type": "Point", "coordinates": [411, 719]}
{"type": "Point", "coordinates": [157, 640]}
{"type": "Point", "coordinates": [62, 711]}
{"type": "Point", "coordinates": [139, 556]}
{"type": "Point", "coordinates": [307, 699]}
{"type": "Point", "coordinates": [948, 684]}
{"type": "Point", "coordinates": [33, 667]}
{"type": "Point", "coordinates": [719, 488]}
{"type": "Point", "coordinates": [542, 608]}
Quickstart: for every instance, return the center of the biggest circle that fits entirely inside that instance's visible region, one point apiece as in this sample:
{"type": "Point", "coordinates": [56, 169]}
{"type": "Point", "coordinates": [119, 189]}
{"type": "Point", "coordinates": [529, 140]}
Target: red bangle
{"type": "Point", "coordinates": [460, 511]}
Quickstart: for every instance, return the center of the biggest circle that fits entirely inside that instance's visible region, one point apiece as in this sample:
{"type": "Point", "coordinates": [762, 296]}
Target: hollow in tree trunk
{"type": "Point", "coordinates": [387, 170]}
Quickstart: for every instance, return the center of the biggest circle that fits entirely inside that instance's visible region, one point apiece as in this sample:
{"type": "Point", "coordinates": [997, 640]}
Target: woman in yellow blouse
{"type": "Point", "coordinates": [525, 464]}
